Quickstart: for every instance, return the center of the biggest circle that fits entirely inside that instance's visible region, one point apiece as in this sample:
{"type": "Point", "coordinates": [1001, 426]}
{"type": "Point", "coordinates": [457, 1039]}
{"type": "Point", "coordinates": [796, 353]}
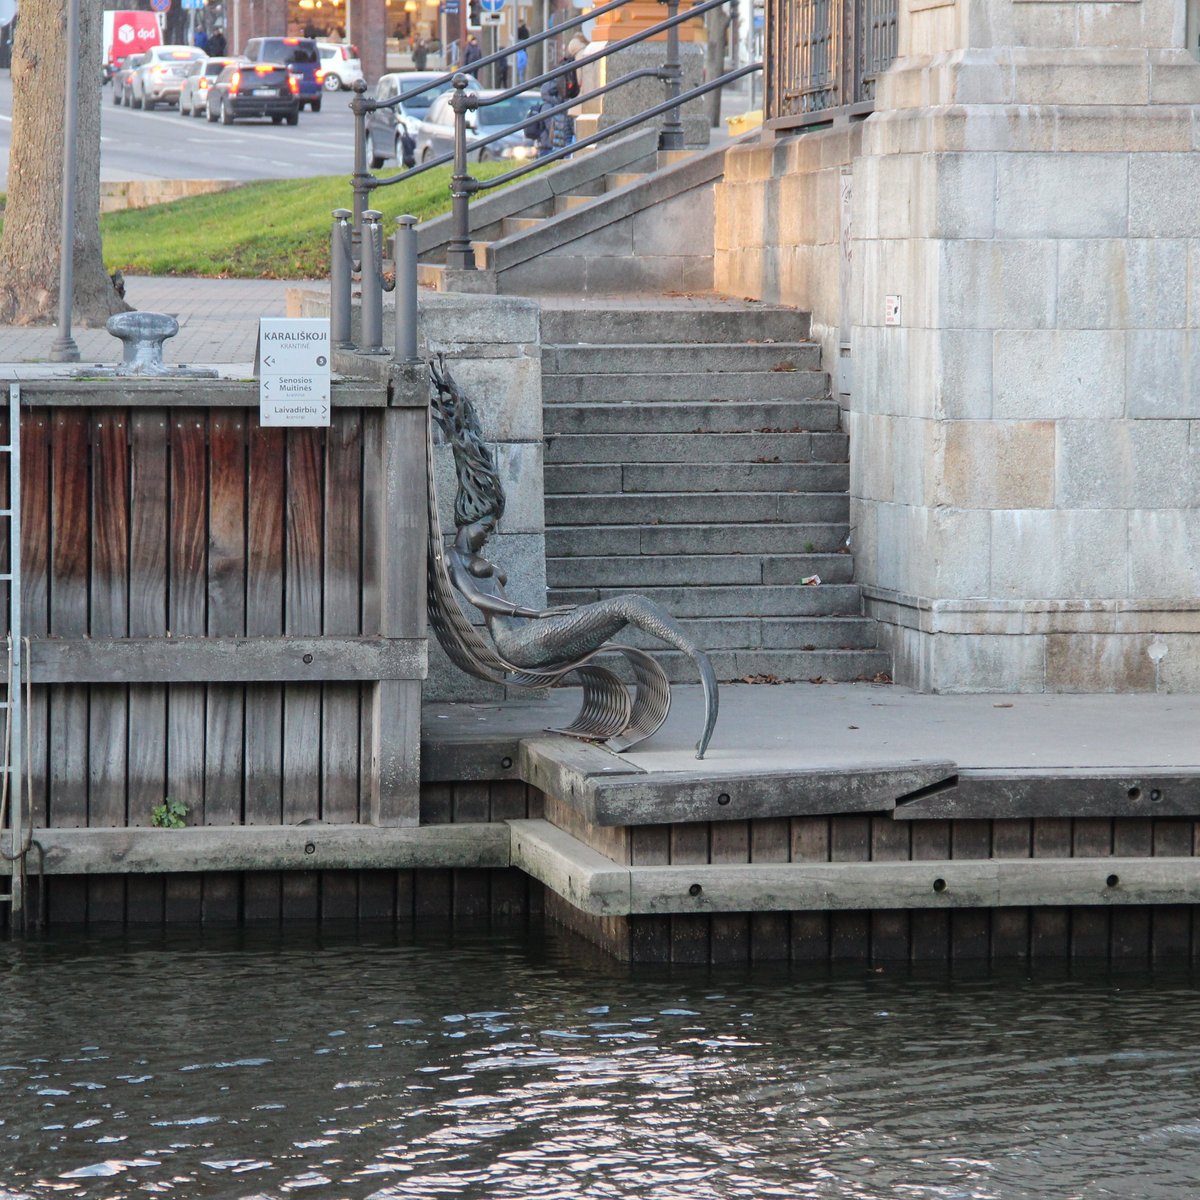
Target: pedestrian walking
{"type": "Point", "coordinates": [553, 132]}
{"type": "Point", "coordinates": [522, 62]}
{"type": "Point", "coordinates": [471, 55]}
{"type": "Point", "coordinates": [420, 53]}
{"type": "Point", "coordinates": [216, 44]}
{"type": "Point", "coordinates": [575, 47]}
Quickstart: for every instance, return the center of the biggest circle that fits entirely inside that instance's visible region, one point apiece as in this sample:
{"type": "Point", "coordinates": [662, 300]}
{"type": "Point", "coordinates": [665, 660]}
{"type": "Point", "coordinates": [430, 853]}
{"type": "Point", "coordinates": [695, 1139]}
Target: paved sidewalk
{"type": "Point", "coordinates": [218, 321]}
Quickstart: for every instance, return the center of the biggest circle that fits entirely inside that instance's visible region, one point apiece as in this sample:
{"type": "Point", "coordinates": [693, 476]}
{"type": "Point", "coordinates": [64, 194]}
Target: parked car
{"type": "Point", "coordinates": [159, 76]}
{"type": "Point", "coordinates": [435, 135]}
{"type": "Point", "coordinates": [123, 78]}
{"type": "Point", "coordinates": [341, 65]}
{"type": "Point", "coordinates": [299, 55]}
{"type": "Point", "coordinates": [387, 127]}
{"type": "Point", "coordinates": [193, 95]}
{"type": "Point", "coordinates": [254, 90]}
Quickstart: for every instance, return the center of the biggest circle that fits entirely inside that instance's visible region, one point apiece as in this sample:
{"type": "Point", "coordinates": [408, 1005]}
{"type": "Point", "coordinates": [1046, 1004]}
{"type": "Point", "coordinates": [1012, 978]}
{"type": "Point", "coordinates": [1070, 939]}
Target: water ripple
{"type": "Point", "coordinates": [485, 1068]}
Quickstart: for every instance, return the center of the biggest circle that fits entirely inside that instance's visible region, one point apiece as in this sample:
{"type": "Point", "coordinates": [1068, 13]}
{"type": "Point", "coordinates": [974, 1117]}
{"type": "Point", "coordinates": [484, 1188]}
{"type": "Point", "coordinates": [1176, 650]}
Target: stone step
{"type": "Point", "coordinates": [628, 573]}
{"type": "Point", "coordinates": [688, 323]}
{"type": "Point", "coordinates": [511, 225]}
{"type": "Point", "coordinates": [679, 416]}
{"type": "Point", "coordinates": [686, 385]}
{"type": "Point", "coordinates": [723, 356]}
{"type": "Point", "coordinates": [619, 179]}
{"type": "Point", "coordinates": [750, 448]}
{"type": "Point", "coordinates": [574, 200]}
{"type": "Point", "coordinates": [771, 633]}
{"type": "Point", "coordinates": [827, 600]}
{"type": "Point", "coordinates": [772, 666]}
{"type": "Point", "coordinates": [698, 539]}
{"type": "Point", "coordinates": [695, 508]}
{"type": "Point", "coordinates": [713, 478]}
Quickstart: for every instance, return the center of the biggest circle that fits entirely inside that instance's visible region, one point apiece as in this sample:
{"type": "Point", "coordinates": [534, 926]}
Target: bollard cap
{"type": "Point", "coordinates": [406, 221]}
{"type": "Point", "coordinates": [342, 214]}
{"type": "Point", "coordinates": [372, 214]}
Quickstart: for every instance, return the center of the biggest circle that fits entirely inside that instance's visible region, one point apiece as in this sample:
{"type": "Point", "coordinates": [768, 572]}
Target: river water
{"type": "Point", "coordinates": [500, 1065]}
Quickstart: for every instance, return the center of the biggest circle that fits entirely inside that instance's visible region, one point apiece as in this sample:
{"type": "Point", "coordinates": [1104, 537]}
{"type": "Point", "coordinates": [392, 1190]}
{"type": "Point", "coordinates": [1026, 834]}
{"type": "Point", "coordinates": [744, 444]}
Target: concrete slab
{"type": "Point", "coordinates": [980, 756]}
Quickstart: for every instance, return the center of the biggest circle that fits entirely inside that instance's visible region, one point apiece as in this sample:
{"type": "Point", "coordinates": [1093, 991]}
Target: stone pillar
{"type": "Point", "coordinates": [641, 94]}
{"type": "Point", "coordinates": [1026, 348]}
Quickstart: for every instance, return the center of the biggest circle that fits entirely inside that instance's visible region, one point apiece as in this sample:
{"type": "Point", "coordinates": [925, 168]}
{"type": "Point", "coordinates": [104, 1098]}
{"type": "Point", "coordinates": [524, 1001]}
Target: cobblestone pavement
{"type": "Point", "coordinates": [218, 321]}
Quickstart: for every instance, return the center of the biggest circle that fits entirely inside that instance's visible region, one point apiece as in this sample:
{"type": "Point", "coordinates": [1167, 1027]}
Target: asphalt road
{"type": "Point", "coordinates": [164, 145]}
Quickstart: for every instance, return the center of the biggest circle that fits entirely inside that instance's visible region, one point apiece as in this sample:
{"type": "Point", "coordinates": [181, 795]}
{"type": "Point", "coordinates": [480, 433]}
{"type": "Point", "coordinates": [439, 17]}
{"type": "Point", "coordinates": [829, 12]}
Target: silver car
{"type": "Point", "coordinates": [392, 132]}
{"type": "Point", "coordinates": [193, 95]}
{"type": "Point", "coordinates": [435, 136]}
{"type": "Point", "coordinates": [159, 77]}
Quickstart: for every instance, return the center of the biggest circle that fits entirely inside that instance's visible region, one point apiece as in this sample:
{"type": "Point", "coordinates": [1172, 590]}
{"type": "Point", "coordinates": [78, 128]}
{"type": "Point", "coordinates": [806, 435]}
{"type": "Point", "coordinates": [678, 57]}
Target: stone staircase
{"type": "Point", "coordinates": [693, 454]}
{"type": "Point", "coordinates": [620, 218]}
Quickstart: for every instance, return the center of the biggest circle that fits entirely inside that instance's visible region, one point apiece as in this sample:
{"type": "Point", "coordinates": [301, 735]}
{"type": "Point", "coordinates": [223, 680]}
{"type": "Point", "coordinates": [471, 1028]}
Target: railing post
{"type": "Point", "coordinates": [406, 289]}
{"type": "Point", "coordinates": [460, 255]}
{"type": "Point", "coordinates": [362, 176]}
{"type": "Point", "coordinates": [670, 137]}
{"type": "Point", "coordinates": [341, 268]}
{"type": "Point", "coordinates": [371, 248]}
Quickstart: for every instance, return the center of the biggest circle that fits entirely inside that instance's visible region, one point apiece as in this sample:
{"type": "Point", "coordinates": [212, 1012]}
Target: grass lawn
{"type": "Point", "coordinates": [275, 229]}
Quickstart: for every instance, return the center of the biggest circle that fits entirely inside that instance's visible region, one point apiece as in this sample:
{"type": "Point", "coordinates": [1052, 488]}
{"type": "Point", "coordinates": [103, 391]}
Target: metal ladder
{"type": "Point", "coordinates": [11, 814]}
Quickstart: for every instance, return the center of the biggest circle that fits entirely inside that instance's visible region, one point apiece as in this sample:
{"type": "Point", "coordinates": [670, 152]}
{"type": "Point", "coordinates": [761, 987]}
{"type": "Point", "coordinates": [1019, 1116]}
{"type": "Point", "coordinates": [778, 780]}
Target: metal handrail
{"type": "Point", "coordinates": [366, 233]}
{"type": "Point", "coordinates": [671, 73]}
{"type": "Point", "coordinates": [628, 123]}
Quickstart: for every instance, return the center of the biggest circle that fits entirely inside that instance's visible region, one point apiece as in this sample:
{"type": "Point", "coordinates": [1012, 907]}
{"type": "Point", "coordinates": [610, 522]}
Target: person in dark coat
{"type": "Point", "coordinates": [216, 44]}
{"type": "Point", "coordinates": [471, 55]}
{"type": "Point", "coordinates": [553, 133]}
{"type": "Point", "coordinates": [420, 54]}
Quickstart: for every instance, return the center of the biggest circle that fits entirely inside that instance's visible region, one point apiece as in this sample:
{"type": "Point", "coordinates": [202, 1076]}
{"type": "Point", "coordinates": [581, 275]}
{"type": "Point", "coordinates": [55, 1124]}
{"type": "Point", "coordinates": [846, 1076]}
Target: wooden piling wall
{"type": "Point", "coordinates": [223, 615]}
{"type": "Point", "coordinates": [1151, 933]}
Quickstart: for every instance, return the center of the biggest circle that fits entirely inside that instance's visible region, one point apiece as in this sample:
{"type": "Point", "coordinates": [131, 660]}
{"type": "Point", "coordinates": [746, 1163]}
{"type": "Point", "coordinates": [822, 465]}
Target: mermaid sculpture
{"type": "Point", "coordinates": [538, 647]}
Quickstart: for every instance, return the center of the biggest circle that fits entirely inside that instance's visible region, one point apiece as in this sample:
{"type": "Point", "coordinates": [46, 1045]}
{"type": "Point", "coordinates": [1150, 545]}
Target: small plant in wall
{"type": "Point", "coordinates": [169, 814]}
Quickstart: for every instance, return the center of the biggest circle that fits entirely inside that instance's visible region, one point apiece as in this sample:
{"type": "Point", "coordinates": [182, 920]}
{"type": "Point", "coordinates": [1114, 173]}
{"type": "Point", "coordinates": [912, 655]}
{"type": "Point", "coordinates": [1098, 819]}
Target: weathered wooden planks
{"type": "Point", "coordinates": [181, 567]}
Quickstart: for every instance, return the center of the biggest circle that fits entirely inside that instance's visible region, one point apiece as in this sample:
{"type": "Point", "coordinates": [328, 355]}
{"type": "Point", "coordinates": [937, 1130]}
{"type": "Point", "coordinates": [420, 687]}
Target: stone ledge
{"type": "Point", "coordinates": [1016, 617]}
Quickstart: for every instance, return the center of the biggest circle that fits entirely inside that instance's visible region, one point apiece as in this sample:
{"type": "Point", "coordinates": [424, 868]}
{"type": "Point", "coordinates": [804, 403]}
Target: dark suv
{"type": "Point", "coordinates": [254, 90]}
{"type": "Point", "coordinates": [299, 55]}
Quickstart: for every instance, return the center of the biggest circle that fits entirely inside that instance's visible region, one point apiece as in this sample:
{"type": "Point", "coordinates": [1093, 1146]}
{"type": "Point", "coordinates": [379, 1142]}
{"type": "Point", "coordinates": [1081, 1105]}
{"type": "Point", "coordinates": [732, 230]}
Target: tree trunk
{"type": "Point", "coordinates": [29, 249]}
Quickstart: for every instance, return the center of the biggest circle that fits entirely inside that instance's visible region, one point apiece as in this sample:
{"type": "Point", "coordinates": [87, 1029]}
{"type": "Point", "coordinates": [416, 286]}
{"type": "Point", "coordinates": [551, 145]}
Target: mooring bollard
{"type": "Point", "coordinates": [372, 284]}
{"type": "Point", "coordinates": [406, 289]}
{"type": "Point", "coordinates": [341, 269]}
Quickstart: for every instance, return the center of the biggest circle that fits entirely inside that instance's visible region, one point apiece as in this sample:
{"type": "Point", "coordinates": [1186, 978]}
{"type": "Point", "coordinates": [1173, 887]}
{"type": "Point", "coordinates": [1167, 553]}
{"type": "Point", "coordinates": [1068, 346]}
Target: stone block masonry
{"type": "Point", "coordinates": [1023, 243]}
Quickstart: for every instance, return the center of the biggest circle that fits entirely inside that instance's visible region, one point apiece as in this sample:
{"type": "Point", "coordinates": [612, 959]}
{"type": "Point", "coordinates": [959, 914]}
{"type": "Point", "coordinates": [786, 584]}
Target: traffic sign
{"type": "Point", "coordinates": [293, 378]}
{"type": "Point", "coordinates": [161, 5]}
{"type": "Point", "coordinates": [492, 18]}
{"type": "Point", "coordinates": [450, 8]}
{"type": "Point", "coordinates": [491, 6]}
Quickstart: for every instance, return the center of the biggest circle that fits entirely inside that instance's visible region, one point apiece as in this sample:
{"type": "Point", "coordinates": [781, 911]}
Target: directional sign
{"type": "Point", "coordinates": [293, 380]}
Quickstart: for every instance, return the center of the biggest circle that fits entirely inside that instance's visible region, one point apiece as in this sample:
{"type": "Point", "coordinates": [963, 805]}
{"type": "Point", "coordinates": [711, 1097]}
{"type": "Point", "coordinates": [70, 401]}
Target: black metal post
{"type": "Point", "coordinates": [362, 187]}
{"type": "Point", "coordinates": [670, 137]}
{"type": "Point", "coordinates": [371, 248]}
{"type": "Point", "coordinates": [406, 289]}
{"type": "Point", "coordinates": [341, 267]}
{"type": "Point", "coordinates": [460, 254]}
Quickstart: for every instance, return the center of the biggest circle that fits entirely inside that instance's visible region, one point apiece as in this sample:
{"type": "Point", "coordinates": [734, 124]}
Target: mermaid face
{"type": "Point", "coordinates": [473, 536]}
